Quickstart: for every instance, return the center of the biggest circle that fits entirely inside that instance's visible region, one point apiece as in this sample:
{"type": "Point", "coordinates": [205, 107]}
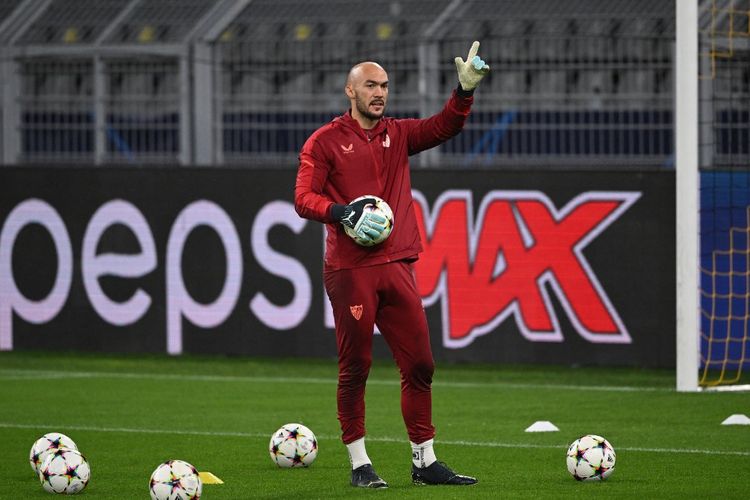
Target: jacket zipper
{"type": "Point", "coordinates": [378, 166]}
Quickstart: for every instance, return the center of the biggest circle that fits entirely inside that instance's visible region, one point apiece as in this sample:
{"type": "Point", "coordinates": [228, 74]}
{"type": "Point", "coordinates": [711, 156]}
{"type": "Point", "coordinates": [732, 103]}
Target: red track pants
{"type": "Point", "coordinates": [385, 295]}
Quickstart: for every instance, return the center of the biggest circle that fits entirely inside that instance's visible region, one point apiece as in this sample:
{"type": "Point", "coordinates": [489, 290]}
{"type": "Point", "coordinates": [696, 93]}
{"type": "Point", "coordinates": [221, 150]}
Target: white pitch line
{"type": "Point", "coordinates": [382, 439]}
{"type": "Point", "coordinates": [18, 374]}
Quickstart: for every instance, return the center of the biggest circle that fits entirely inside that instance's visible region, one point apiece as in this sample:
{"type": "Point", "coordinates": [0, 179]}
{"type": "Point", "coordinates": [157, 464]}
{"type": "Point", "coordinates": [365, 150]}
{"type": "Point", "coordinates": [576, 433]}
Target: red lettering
{"type": "Point", "coordinates": [505, 262]}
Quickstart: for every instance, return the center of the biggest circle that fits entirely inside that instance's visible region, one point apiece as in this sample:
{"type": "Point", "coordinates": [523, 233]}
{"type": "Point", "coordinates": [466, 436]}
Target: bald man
{"type": "Point", "coordinates": [365, 153]}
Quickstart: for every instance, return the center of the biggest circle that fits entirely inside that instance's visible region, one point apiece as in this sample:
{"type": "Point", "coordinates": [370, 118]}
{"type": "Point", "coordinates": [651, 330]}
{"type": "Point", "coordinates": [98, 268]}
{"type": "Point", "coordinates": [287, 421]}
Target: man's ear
{"type": "Point", "coordinates": [349, 91]}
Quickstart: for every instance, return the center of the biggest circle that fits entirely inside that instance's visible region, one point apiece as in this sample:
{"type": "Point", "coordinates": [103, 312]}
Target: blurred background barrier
{"type": "Point", "coordinates": [570, 267]}
{"type": "Point", "coordinates": [574, 83]}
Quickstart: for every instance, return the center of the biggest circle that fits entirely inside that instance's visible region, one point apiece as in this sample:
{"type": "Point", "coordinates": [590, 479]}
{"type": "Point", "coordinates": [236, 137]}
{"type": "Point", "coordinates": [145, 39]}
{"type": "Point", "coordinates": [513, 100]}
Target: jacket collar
{"type": "Point", "coordinates": [349, 121]}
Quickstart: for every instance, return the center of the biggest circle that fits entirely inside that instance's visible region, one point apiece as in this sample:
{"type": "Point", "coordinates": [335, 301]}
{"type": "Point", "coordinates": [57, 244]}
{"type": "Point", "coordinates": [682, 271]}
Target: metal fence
{"type": "Point", "coordinates": [724, 84]}
{"type": "Point", "coordinates": [577, 83]}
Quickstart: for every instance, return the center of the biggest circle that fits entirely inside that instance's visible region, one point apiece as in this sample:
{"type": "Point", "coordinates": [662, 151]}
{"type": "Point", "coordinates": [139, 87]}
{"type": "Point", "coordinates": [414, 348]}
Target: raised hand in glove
{"type": "Point", "coordinates": [472, 70]}
{"type": "Point", "coordinates": [365, 223]}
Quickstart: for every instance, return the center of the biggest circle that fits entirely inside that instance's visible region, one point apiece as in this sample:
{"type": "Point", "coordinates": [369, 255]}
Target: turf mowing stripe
{"type": "Point", "coordinates": [383, 439]}
{"type": "Point", "coordinates": [14, 374]}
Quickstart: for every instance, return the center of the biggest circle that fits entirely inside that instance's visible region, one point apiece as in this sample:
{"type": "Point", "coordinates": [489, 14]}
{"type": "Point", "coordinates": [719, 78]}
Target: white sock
{"type": "Point", "coordinates": [357, 453]}
{"type": "Point", "coordinates": [422, 454]}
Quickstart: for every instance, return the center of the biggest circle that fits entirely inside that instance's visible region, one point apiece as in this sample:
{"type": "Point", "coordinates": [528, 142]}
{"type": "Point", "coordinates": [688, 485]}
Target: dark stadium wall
{"type": "Point", "coordinates": [546, 266]}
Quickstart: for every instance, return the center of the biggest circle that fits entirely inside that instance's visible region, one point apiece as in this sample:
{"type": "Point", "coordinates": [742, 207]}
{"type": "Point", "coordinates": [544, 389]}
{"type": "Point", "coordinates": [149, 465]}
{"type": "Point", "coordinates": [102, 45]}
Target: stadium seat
{"type": "Point", "coordinates": [637, 82]}
{"type": "Point", "coordinates": [299, 84]}
{"type": "Point", "coordinates": [594, 83]}
{"type": "Point", "coordinates": [254, 83]}
{"type": "Point", "coordinates": [506, 82]}
{"type": "Point", "coordinates": [548, 83]}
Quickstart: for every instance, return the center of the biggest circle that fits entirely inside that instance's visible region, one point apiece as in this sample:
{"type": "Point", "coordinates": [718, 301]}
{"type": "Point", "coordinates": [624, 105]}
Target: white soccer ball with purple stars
{"type": "Point", "coordinates": [293, 445]}
{"type": "Point", "coordinates": [175, 480]}
{"type": "Point", "coordinates": [64, 471]}
{"type": "Point", "coordinates": [591, 458]}
{"type": "Point", "coordinates": [381, 208]}
{"type": "Point", "coordinates": [50, 442]}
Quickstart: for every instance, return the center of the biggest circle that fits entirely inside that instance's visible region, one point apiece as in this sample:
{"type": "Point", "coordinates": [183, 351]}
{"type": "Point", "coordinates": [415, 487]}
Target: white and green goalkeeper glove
{"type": "Point", "coordinates": [472, 70]}
{"type": "Point", "coordinates": [365, 223]}
{"type": "Point", "coordinates": [370, 225]}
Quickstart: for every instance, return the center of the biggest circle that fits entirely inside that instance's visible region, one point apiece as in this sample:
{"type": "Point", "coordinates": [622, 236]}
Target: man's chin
{"type": "Point", "coordinates": [373, 115]}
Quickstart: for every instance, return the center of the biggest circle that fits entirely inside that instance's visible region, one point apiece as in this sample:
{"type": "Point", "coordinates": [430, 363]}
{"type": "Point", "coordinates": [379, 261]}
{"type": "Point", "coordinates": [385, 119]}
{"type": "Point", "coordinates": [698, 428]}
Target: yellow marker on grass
{"type": "Point", "coordinates": [208, 478]}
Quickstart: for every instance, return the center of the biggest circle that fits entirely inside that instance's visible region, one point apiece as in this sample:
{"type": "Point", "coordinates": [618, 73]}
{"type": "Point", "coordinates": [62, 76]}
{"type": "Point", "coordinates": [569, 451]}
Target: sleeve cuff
{"type": "Point", "coordinates": [464, 93]}
{"type": "Point", "coordinates": [337, 211]}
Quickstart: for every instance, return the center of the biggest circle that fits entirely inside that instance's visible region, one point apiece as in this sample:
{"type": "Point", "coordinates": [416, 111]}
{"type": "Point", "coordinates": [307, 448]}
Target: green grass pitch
{"type": "Point", "coordinates": [129, 413]}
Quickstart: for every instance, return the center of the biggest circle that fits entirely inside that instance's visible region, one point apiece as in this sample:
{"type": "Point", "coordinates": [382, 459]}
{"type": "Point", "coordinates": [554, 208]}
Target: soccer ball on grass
{"type": "Point", "coordinates": [591, 458]}
{"type": "Point", "coordinates": [175, 479]}
{"type": "Point", "coordinates": [381, 208]}
{"type": "Point", "coordinates": [64, 471]}
{"type": "Point", "coordinates": [50, 442]}
{"type": "Point", "coordinates": [293, 445]}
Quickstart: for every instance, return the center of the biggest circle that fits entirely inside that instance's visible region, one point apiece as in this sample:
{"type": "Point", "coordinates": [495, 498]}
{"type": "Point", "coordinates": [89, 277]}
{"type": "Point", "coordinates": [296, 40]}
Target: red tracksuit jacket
{"type": "Point", "coordinates": [340, 162]}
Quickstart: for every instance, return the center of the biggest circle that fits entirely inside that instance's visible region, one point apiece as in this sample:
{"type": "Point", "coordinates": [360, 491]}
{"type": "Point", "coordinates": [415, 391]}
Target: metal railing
{"type": "Point", "coordinates": [579, 83]}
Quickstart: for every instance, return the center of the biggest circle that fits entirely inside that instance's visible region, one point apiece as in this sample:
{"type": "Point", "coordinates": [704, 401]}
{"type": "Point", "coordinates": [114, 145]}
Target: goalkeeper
{"type": "Point", "coordinates": [363, 152]}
